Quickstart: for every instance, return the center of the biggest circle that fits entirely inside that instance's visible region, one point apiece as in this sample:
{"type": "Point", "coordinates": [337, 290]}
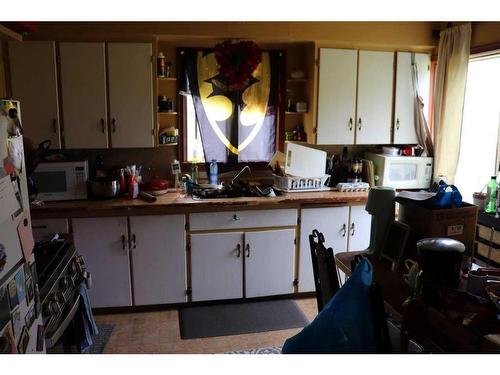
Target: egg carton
{"type": "Point", "coordinates": [293, 183]}
{"type": "Point", "coordinates": [353, 186]}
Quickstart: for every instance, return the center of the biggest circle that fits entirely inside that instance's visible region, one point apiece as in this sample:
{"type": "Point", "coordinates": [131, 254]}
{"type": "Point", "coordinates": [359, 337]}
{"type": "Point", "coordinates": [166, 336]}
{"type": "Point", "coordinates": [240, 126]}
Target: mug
{"type": "Point", "coordinates": [478, 281]}
{"type": "Point", "coordinates": [412, 270]}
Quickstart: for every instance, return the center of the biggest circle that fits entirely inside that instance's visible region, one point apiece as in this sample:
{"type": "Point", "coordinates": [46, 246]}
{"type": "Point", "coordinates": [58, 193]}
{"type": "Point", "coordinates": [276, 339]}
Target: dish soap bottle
{"type": "Point", "coordinates": [213, 172]}
{"type": "Point", "coordinates": [491, 196]}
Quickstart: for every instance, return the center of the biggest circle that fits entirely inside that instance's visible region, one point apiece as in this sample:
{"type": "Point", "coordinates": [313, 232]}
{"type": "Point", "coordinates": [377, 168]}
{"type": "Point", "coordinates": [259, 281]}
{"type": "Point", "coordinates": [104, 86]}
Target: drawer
{"type": "Point", "coordinates": [44, 229]}
{"type": "Point", "coordinates": [485, 234]}
{"type": "Point", "coordinates": [243, 219]}
{"type": "Point", "coordinates": [483, 250]}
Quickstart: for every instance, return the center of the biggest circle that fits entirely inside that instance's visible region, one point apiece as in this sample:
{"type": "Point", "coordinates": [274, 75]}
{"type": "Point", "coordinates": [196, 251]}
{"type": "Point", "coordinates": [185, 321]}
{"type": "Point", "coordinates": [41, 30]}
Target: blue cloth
{"type": "Point", "coordinates": [88, 323]}
{"type": "Point", "coordinates": [447, 196]}
{"type": "Point", "coordinates": [346, 323]}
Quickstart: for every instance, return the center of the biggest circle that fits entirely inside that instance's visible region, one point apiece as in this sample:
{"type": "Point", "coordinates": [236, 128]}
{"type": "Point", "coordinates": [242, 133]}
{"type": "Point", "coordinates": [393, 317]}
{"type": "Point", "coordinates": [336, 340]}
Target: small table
{"type": "Point", "coordinates": [441, 333]}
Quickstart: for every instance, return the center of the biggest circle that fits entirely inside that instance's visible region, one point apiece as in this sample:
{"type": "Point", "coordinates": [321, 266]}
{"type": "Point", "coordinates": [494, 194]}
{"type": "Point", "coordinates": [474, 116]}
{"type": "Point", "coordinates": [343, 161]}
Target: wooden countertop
{"type": "Point", "coordinates": [173, 203]}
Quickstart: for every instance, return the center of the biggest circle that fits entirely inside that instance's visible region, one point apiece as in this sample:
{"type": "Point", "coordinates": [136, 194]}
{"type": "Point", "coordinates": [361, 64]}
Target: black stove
{"type": "Point", "coordinates": [60, 272]}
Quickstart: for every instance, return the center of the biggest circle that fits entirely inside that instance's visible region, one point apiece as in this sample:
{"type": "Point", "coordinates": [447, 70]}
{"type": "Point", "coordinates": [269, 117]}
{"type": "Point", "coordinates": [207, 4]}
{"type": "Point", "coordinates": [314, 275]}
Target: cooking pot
{"type": "Point", "coordinates": [156, 186]}
{"type": "Point", "coordinates": [104, 187]}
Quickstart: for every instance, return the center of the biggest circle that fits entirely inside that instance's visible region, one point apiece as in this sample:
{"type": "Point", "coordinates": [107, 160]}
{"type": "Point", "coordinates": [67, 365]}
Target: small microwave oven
{"type": "Point", "coordinates": [402, 172]}
{"type": "Point", "coordinates": [60, 181]}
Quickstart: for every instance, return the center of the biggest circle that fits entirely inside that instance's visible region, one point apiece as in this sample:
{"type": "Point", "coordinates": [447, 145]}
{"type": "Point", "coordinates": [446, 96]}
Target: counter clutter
{"type": "Point", "coordinates": [174, 203]}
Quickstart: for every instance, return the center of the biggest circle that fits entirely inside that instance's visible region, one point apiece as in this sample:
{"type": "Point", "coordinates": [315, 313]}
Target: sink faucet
{"type": "Point", "coordinates": [240, 172]}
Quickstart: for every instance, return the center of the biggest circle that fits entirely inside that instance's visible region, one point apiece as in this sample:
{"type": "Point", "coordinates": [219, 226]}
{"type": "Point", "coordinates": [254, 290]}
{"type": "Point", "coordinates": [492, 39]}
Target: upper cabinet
{"type": "Point", "coordinates": [106, 92]}
{"type": "Point", "coordinates": [85, 101]}
{"type": "Point", "coordinates": [375, 79]}
{"type": "Point", "coordinates": [349, 79]}
{"type": "Point", "coordinates": [130, 94]}
{"type": "Point", "coordinates": [83, 86]}
{"type": "Point", "coordinates": [34, 83]}
{"type": "Point", "coordinates": [337, 96]}
{"type": "Point", "coordinates": [404, 116]}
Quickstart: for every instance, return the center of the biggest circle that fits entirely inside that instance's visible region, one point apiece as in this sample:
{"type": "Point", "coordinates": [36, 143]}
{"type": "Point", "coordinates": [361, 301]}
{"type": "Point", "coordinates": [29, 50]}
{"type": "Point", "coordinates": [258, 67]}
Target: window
{"type": "Point", "coordinates": [194, 147]}
{"type": "Point", "coordinates": [480, 126]}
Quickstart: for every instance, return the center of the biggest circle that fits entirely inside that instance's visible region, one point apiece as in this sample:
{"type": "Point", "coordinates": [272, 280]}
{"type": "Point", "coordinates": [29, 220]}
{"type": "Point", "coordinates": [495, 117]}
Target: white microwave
{"type": "Point", "coordinates": [61, 181]}
{"type": "Point", "coordinates": [402, 172]}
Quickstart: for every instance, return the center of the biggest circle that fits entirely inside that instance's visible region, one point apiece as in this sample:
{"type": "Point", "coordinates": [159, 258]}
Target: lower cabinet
{"type": "Point", "coordinates": [103, 242]}
{"type": "Point", "coordinates": [158, 251]}
{"type": "Point", "coordinates": [269, 262]}
{"type": "Point", "coordinates": [216, 266]}
{"type": "Point", "coordinates": [333, 223]}
{"type": "Point", "coordinates": [221, 261]}
{"type": "Point", "coordinates": [345, 229]}
{"type": "Point", "coordinates": [144, 258]}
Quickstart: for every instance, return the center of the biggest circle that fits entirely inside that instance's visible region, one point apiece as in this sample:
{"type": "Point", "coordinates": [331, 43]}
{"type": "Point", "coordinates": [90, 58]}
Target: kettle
{"type": "Point", "coordinates": [440, 261]}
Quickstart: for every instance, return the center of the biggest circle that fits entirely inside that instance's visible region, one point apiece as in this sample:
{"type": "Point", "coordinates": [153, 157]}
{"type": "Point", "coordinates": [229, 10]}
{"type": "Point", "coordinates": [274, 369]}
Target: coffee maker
{"type": "Point", "coordinates": [354, 170]}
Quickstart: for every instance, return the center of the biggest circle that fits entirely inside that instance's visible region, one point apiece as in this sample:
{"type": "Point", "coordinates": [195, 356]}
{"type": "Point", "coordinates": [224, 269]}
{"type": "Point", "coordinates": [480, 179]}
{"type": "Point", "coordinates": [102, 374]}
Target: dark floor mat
{"type": "Point", "coordinates": [239, 318]}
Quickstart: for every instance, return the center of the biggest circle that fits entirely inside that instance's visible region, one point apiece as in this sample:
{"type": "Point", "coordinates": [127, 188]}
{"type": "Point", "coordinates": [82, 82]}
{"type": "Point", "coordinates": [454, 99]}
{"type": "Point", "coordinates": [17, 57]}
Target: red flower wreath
{"type": "Point", "coordinates": [236, 62]}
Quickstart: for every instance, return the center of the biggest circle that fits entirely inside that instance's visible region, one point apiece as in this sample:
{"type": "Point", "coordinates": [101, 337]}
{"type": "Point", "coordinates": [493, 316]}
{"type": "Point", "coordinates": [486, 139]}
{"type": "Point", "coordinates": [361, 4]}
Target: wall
{"type": "Point", "coordinates": [415, 36]}
{"type": "Point", "coordinates": [485, 33]}
{"type": "Point", "coordinates": [3, 76]}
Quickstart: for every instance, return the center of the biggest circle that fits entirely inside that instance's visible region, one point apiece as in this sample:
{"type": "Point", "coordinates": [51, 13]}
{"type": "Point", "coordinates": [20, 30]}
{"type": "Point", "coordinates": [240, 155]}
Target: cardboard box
{"type": "Point", "coordinates": [457, 223]}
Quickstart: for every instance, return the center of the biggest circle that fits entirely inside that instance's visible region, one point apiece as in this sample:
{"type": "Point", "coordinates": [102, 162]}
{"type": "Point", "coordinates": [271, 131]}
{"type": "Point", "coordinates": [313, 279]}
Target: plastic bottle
{"type": "Point", "coordinates": [160, 65]}
{"type": "Point", "coordinates": [498, 193]}
{"type": "Point", "coordinates": [213, 172]}
{"type": "Point", "coordinates": [491, 196]}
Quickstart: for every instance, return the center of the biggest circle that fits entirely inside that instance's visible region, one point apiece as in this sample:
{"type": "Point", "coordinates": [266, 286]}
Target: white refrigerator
{"type": "Point", "coordinates": [21, 325]}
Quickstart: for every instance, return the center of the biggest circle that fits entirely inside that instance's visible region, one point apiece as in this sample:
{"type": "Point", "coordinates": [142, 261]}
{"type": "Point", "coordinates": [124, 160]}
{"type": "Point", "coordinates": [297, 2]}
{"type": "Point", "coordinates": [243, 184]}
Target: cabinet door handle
{"type": "Point", "coordinates": [359, 123]}
{"type": "Point", "coordinates": [344, 230]}
{"type": "Point", "coordinates": [236, 217]}
{"type": "Point", "coordinates": [248, 251]}
{"type": "Point", "coordinates": [397, 124]}
{"type": "Point", "coordinates": [123, 243]}
{"type": "Point", "coordinates": [352, 229]}
{"type": "Point", "coordinates": [113, 123]}
{"type": "Point", "coordinates": [134, 242]}
{"type": "Point", "coordinates": [102, 126]}
{"type": "Point", "coordinates": [350, 123]}
{"type": "Point", "coordinates": [54, 126]}
{"type": "Point", "coordinates": [238, 249]}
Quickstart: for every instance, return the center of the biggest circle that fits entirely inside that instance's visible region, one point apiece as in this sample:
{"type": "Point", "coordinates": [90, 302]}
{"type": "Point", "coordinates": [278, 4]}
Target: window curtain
{"type": "Point", "coordinates": [235, 126]}
{"type": "Point", "coordinates": [451, 76]}
{"type": "Point", "coordinates": [421, 127]}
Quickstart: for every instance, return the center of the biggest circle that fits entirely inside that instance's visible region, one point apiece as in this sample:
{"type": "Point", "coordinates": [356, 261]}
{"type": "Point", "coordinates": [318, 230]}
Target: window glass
{"type": "Point", "coordinates": [481, 120]}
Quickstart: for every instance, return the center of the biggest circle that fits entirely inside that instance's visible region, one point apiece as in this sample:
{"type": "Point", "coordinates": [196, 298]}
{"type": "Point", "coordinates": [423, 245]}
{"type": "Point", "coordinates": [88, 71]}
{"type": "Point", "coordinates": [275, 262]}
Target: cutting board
{"type": "Point", "coordinates": [304, 161]}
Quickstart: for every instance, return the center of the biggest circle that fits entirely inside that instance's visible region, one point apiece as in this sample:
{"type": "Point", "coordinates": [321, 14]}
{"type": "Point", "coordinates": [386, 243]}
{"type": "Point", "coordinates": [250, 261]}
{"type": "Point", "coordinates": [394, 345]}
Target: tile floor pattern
{"type": "Point", "coordinates": [158, 332]}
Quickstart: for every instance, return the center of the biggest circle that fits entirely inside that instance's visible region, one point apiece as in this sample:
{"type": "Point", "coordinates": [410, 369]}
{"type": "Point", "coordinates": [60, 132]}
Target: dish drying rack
{"type": "Point", "coordinates": [298, 184]}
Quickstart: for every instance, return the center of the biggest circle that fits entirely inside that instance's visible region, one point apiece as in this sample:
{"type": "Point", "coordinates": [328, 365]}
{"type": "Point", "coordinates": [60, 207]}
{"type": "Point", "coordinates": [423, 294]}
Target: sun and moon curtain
{"type": "Point", "coordinates": [235, 125]}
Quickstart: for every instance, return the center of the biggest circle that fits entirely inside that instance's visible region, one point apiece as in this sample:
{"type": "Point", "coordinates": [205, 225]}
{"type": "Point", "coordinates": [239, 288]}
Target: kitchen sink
{"type": "Point", "coordinates": [235, 189]}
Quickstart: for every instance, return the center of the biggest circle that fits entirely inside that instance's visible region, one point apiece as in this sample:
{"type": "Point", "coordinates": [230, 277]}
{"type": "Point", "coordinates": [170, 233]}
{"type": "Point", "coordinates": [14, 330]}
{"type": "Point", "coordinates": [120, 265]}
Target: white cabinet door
{"type": "Point", "coordinates": [375, 79]}
{"type": "Point", "coordinates": [269, 262]}
{"type": "Point", "coordinates": [34, 83]}
{"type": "Point", "coordinates": [83, 86]}
{"type": "Point", "coordinates": [103, 242]}
{"type": "Point", "coordinates": [404, 118]}
{"type": "Point", "coordinates": [337, 96]}
{"type": "Point", "coordinates": [359, 229]}
{"type": "Point", "coordinates": [333, 223]}
{"type": "Point", "coordinates": [158, 248]}
{"type": "Point", "coordinates": [423, 61]}
{"type": "Point", "coordinates": [216, 266]}
{"type": "Point", "coordinates": [130, 94]}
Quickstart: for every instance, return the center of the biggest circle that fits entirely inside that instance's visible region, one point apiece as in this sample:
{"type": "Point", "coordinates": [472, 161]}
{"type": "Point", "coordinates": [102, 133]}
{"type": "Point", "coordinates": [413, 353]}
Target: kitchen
{"type": "Point", "coordinates": [157, 226]}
